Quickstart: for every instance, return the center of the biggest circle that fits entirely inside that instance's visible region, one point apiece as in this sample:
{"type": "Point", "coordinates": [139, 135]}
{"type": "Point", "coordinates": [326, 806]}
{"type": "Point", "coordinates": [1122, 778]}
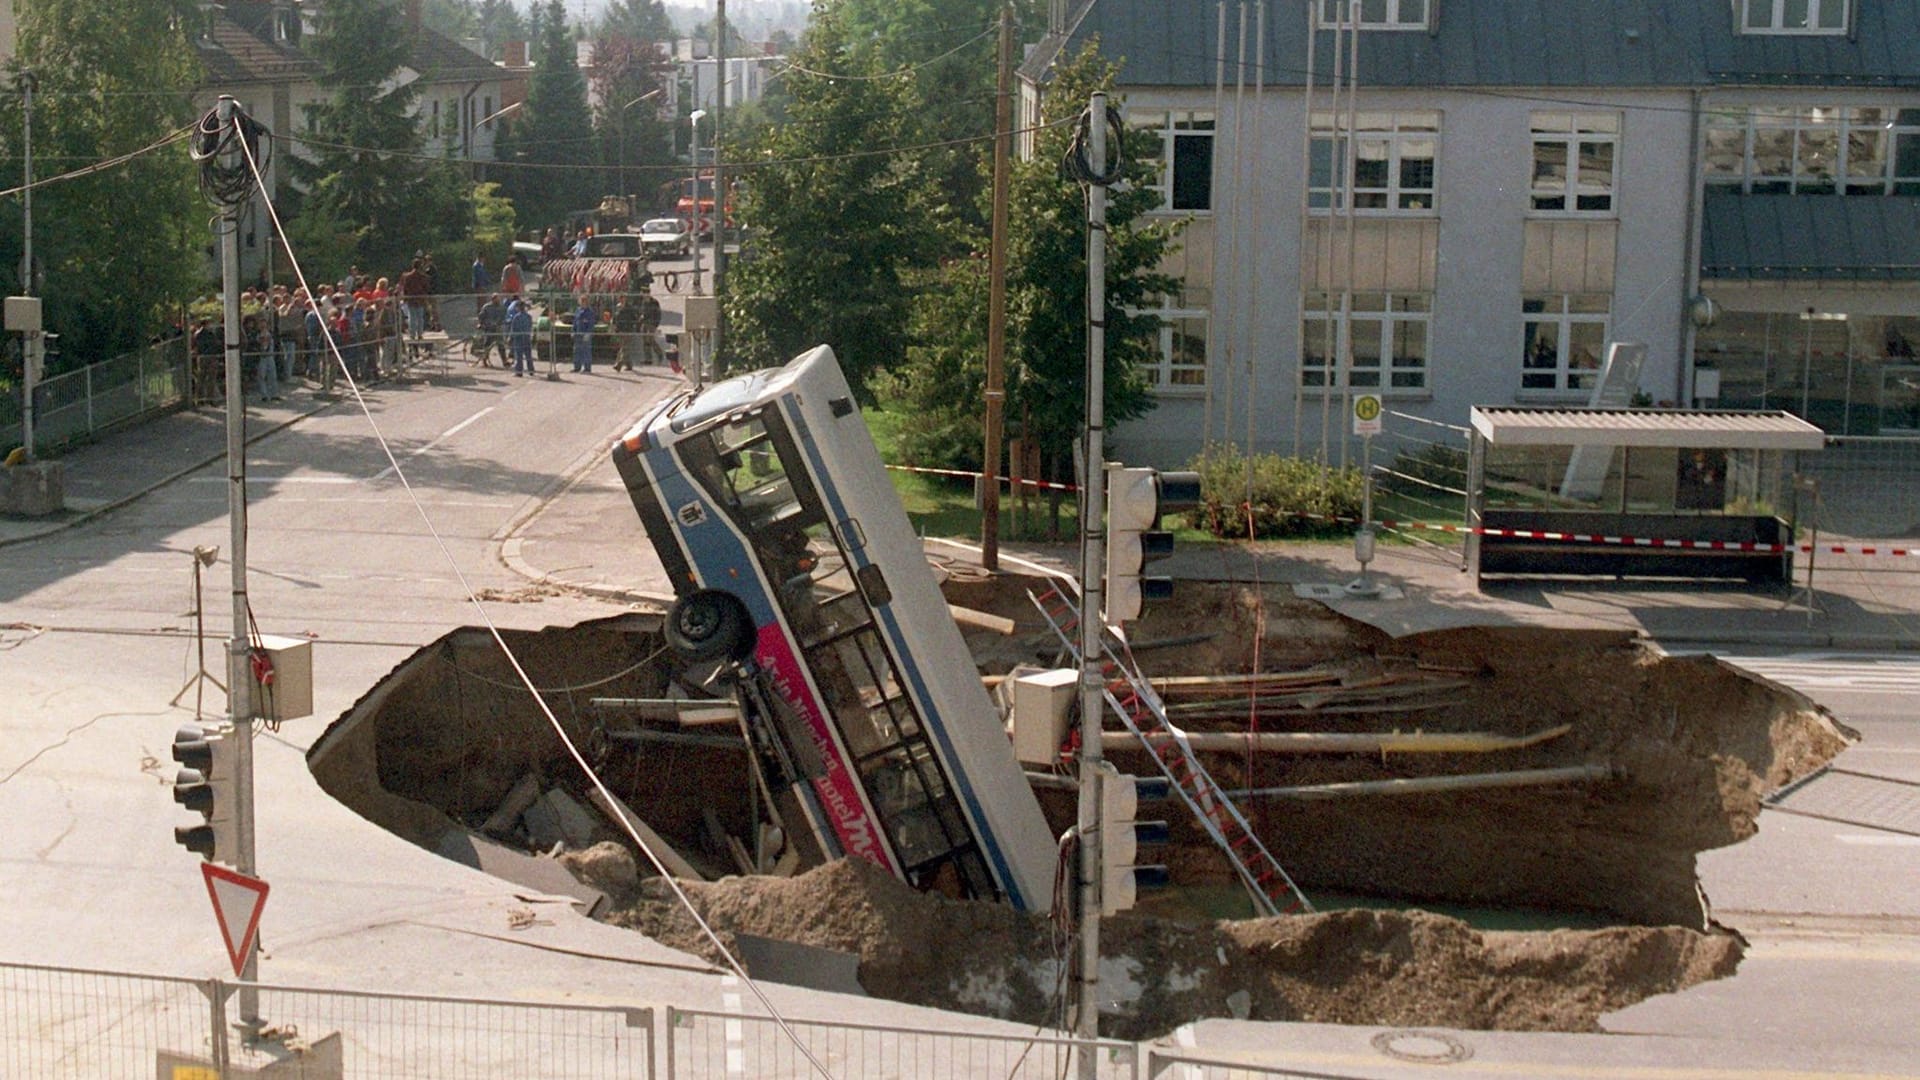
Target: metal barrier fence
{"type": "Point", "coordinates": [77, 405]}
{"type": "Point", "coordinates": [1869, 487]}
{"type": "Point", "coordinates": [58, 1023]}
{"type": "Point", "coordinates": [704, 1044]}
{"type": "Point", "coordinates": [1419, 473]}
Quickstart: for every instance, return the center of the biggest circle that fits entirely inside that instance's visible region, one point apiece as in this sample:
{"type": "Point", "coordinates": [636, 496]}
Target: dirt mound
{"type": "Point", "coordinates": [1353, 967]}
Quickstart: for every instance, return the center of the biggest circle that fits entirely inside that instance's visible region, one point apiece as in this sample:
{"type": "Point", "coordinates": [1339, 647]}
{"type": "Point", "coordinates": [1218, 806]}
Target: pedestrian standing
{"type": "Point", "coordinates": [491, 320]}
{"type": "Point", "coordinates": [208, 347]}
{"type": "Point", "coordinates": [626, 330]}
{"type": "Point", "coordinates": [255, 344]}
{"type": "Point", "coordinates": [413, 293]}
{"type": "Point", "coordinates": [583, 323]}
{"type": "Point", "coordinates": [520, 337]}
{"type": "Point", "coordinates": [510, 283]}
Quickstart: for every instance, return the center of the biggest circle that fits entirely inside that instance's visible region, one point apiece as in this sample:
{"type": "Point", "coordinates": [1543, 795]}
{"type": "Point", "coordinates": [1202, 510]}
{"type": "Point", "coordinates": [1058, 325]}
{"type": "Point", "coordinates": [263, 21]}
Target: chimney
{"type": "Point", "coordinates": [514, 54]}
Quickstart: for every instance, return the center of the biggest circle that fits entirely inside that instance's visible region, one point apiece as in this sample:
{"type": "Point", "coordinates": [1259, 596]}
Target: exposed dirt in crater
{"type": "Point", "coordinates": [1690, 747]}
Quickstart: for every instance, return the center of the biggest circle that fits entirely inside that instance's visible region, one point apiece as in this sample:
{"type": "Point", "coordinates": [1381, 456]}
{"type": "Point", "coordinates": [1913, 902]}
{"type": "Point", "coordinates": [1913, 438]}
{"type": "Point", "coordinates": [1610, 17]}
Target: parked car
{"type": "Point", "coordinates": [664, 236]}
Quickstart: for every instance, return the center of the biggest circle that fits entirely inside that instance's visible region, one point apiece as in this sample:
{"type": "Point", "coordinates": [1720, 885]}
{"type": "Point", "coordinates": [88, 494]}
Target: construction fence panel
{"type": "Point", "coordinates": [1418, 469]}
{"type": "Point", "coordinates": [61, 1023]}
{"type": "Point", "coordinates": [703, 1044]}
{"type": "Point", "coordinates": [421, 1037]}
{"type": "Point", "coordinates": [1865, 487]}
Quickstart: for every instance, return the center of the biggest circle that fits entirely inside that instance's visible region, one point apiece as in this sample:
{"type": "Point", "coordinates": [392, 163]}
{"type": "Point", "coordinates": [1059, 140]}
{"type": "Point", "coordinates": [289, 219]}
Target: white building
{"type": "Point", "coordinates": [1735, 183]}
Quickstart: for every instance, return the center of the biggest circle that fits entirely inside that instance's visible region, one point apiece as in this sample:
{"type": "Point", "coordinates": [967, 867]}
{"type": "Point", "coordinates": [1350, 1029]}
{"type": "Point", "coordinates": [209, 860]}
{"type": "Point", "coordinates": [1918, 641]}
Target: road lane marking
{"type": "Point", "coordinates": [431, 443]}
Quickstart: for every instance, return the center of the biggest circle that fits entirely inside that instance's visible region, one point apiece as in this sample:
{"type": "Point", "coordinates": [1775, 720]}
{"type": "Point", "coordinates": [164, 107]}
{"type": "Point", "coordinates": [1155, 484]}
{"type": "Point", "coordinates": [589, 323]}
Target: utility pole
{"type": "Point", "coordinates": [240, 703]}
{"type": "Point", "coordinates": [997, 300]}
{"type": "Point", "coordinates": [719, 181]}
{"type": "Point", "coordinates": [1093, 547]}
{"type": "Point", "coordinates": [32, 342]}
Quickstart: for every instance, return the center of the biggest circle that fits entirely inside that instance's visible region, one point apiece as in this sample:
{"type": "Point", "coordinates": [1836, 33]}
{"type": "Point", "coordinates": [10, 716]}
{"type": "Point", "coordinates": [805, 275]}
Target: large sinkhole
{"type": "Point", "coordinates": [1533, 907]}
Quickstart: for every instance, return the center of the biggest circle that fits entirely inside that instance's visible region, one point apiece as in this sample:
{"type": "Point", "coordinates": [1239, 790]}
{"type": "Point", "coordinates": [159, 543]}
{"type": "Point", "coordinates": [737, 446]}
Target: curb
{"type": "Point", "coordinates": [111, 505]}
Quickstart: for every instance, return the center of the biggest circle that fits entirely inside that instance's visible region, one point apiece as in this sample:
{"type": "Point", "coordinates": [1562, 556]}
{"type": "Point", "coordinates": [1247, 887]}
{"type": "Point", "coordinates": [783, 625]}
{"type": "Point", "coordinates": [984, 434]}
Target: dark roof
{"type": "Point", "coordinates": [239, 51]}
{"type": "Point", "coordinates": [1613, 43]}
{"type": "Point", "coordinates": [1819, 237]}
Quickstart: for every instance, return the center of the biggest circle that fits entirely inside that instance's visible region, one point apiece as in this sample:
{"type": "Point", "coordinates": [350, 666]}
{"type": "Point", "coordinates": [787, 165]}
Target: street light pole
{"type": "Point", "coordinates": [693, 121]}
{"type": "Point", "coordinates": [626, 196]}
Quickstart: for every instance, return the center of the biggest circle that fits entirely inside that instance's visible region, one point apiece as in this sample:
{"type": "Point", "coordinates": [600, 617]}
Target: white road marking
{"type": "Point", "coordinates": [435, 441]}
{"type": "Point", "coordinates": [1835, 671]}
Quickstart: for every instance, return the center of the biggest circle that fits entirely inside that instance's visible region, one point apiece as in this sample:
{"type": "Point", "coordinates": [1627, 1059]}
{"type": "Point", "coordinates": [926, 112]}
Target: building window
{"type": "Point", "coordinates": [1574, 158]}
{"type": "Point", "coordinates": [1375, 14]}
{"type": "Point", "coordinates": [1182, 361]}
{"type": "Point", "coordinates": [486, 112]}
{"type": "Point", "coordinates": [1391, 169]}
{"type": "Point", "coordinates": [1180, 143]}
{"type": "Point", "coordinates": [1565, 336]}
{"type": "Point", "coordinates": [1859, 150]}
{"type": "Point", "coordinates": [1388, 334]}
{"type": "Point", "coordinates": [1794, 16]}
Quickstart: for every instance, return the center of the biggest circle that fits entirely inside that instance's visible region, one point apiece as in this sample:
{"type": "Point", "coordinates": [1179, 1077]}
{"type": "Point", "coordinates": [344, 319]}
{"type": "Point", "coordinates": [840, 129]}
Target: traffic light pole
{"type": "Point", "coordinates": [240, 703]}
{"type": "Point", "coordinates": [1093, 550]}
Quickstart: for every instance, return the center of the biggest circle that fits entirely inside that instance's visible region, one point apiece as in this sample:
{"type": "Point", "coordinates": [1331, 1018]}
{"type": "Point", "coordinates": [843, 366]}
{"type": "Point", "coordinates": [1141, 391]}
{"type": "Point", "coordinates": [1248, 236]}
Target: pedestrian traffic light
{"type": "Point", "coordinates": [1122, 875]}
{"type": "Point", "coordinates": [1136, 499]}
{"type": "Point", "coordinates": [207, 784]}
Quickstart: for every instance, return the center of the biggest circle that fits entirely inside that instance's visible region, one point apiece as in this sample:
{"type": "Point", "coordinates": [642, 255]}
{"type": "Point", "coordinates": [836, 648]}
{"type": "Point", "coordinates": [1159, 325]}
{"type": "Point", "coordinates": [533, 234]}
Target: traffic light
{"type": "Point", "coordinates": [1122, 875]}
{"type": "Point", "coordinates": [207, 784]}
{"type": "Point", "coordinates": [1136, 499]}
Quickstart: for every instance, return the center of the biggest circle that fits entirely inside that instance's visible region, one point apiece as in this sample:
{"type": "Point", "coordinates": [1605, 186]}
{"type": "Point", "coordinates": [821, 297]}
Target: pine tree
{"type": "Point", "coordinates": [553, 137]}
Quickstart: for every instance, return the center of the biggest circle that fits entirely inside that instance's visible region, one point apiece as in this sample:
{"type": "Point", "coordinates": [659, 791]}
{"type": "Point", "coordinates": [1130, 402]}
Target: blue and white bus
{"type": "Point", "coordinates": [792, 559]}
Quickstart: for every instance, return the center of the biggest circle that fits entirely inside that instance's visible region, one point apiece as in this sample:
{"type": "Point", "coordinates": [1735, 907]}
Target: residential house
{"type": "Point", "coordinates": [1452, 203]}
{"type": "Point", "coordinates": [251, 50]}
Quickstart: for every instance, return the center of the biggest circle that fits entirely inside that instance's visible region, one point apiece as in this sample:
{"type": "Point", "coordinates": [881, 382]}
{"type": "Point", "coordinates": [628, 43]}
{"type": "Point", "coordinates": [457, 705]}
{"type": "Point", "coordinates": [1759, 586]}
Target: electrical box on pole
{"type": "Point", "coordinates": [207, 784]}
{"type": "Point", "coordinates": [1136, 500]}
{"type": "Point", "coordinates": [1122, 874]}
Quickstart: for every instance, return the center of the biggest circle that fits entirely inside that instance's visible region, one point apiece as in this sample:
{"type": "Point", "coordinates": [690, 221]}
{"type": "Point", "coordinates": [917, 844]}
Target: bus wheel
{"type": "Point", "coordinates": [708, 625]}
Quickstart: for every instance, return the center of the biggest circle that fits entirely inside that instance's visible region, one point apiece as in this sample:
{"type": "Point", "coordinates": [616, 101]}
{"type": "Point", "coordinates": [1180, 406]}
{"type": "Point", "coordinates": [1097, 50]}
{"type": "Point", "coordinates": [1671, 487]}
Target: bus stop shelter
{"type": "Point", "coordinates": [1634, 492]}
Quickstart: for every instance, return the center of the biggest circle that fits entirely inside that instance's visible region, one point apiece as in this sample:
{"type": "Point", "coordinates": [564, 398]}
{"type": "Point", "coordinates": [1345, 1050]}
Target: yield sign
{"type": "Point", "coordinates": [237, 900]}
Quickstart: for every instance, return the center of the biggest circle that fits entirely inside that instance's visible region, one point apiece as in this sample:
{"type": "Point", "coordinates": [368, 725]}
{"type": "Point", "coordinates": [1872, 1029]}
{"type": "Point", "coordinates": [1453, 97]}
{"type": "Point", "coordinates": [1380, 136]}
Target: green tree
{"type": "Point", "coordinates": [1046, 303]}
{"type": "Point", "coordinates": [636, 20]}
{"type": "Point", "coordinates": [840, 223]}
{"type": "Point", "coordinates": [553, 136]}
{"type": "Point", "coordinates": [367, 178]}
{"type": "Point", "coordinates": [498, 22]}
{"type": "Point", "coordinates": [636, 144]}
{"type": "Point", "coordinates": [120, 248]}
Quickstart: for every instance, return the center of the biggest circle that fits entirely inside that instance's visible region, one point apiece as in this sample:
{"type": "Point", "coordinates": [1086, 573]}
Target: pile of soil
{"type": "Point", "coordinates": [1351, 967]}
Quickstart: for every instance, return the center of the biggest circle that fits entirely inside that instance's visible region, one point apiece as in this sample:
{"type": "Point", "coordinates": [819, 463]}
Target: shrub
{"type": "Point", "coordinates": [1290, 497]}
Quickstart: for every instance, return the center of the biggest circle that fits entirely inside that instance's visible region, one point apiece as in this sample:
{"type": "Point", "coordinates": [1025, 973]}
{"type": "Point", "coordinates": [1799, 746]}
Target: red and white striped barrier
{"type": "Point", "coordinates": [1044, 485]}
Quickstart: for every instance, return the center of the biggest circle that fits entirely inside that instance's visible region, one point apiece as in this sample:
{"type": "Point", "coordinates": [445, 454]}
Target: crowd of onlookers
{"type": "Point", "coordinates": [287, 334]}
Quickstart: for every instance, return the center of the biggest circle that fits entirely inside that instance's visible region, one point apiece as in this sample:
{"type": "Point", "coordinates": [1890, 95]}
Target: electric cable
{"type": "Point", "coordinates": [1075, 164]}
{"type": "Point", "coordinates": [101, 166]}
{"type": "Point", "coordinates": [223, 184]}
{"type": "Point", "coordinates": [733, 964]}
{"type": "Point", "coordinates": [908, 70]}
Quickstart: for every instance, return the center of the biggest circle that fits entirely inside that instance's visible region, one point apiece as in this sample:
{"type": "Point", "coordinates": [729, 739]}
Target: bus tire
{"type": "Point", "coordinates": [708, 625]}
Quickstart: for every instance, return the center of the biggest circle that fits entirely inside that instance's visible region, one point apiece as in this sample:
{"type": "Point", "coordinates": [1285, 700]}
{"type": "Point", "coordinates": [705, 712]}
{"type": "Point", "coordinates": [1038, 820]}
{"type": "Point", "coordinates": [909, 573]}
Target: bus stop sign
{"type": "Point", "coordinates": [1366, 415]}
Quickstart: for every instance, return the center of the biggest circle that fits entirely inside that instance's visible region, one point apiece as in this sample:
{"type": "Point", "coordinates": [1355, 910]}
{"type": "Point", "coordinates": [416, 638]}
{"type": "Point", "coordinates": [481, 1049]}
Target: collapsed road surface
{"type": "Point", "coordinates": [451, 752]}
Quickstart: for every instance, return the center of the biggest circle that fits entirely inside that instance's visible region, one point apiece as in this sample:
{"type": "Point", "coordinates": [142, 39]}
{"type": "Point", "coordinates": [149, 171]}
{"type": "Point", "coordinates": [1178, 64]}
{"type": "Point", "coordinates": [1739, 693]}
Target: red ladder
{"type": "Point", "coordinates": [1130, 695]}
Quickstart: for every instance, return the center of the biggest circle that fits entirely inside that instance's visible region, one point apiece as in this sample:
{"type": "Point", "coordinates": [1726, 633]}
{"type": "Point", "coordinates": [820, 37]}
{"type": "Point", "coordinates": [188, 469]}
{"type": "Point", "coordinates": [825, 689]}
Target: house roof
{"type": "Point", "coordinates": [238, 51]}
{"type": "Point", "coordinates": [1574, 43]}
{"type": "Point", "coordinates": [1817, 237]}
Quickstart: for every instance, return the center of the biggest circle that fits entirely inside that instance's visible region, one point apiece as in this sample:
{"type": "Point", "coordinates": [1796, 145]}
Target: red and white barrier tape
{"type": "Point", "coordinates": [1045, 485]}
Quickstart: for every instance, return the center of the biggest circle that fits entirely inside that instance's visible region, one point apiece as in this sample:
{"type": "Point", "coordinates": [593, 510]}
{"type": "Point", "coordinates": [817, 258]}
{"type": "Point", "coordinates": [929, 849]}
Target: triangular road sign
{"type": "Point", "coordinates": [237, 900]}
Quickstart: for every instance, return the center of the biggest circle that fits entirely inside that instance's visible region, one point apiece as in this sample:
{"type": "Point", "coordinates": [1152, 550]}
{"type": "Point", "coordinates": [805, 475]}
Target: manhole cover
{"type": "Point", "coordinates": [1424, 1047]}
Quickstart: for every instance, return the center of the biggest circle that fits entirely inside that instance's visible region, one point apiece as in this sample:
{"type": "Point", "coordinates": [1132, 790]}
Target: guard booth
{"type": "Point", "coordinates": [1634, 492]}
